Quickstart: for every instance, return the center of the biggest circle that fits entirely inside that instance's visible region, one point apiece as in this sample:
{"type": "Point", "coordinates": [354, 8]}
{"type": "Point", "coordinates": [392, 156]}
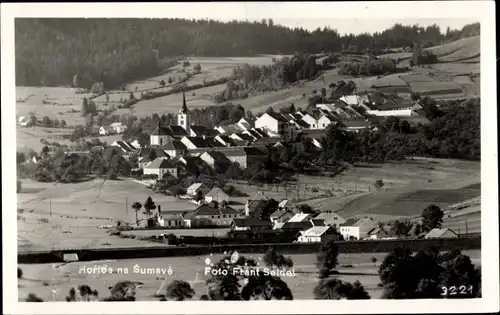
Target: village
{"type": "Point", "coordinates": [175, 148]}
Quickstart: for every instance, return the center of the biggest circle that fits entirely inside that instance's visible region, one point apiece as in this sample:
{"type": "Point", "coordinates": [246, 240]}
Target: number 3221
{"type": "Point", "coordinates": [454, 290]}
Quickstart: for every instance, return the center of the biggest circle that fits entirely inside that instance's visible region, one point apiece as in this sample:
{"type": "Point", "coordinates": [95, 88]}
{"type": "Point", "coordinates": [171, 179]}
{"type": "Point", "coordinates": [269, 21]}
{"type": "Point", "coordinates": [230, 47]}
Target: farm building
{"type": "Point", "coordinates": [317, 234]}
{"type": "Point", "coordinates": [357, 229]}
{"type": "Point", "coordinates": [106, 130]}
{"type": "Point", "coordinates": [211, 215]}
{"type": "Point", "coordinates": [161, 167]}
{"type": "Point", "coordinates": [254, 207]}
{"type": "Point", "coordinates": [441, 233]}
{"type": "Point", "coordinates": [379, 233]}
{"type": "Point", "coordinates": [351, 99]}
{"type": "Point", "coordinates": [216, 194]}
{"type": "Point", "coordinates": [281, 216]}
{"type": "Point", "coordinates": [300, 217]}
{"type": "Point", "coordinates": [272, 122]}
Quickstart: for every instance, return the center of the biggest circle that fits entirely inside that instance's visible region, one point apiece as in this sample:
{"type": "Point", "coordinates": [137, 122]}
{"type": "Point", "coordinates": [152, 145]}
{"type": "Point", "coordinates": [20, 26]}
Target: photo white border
{"type": "Point", "coordinates": [483, 11]}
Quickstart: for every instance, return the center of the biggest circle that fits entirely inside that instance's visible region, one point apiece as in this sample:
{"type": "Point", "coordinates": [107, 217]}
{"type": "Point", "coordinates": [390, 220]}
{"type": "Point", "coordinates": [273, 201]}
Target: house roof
{"type": "Point", "coordinates": [379, 231]}
{"type": "Point", "coordinates": [126, 146]}
{"type": "Point", "coordinates": [304, 225]}
{"type": "Point", "coordinates": [195, 186]}
{"type": "Point", "coordinates": [329, 217]}
{"type": "Point", "coordinates": [251, 222]}
{"type": "Point", "coordinates": [350, 222]}
{"type": "Point", "coordinates": [160, 163]}
{"type": "Point", "coordinates": [351, 99]}
{"type": "Point", "coordinates": [217, 156]}
{"type": "Point", "coordinates": [233, 128]}
{"type": "Point", "coordinates": [266, 141]}
{"type": "Point", "coordinates": [318, 222]}
{"type": "Point", "coordinates": [355, 124]}
{"type": "Point", "coordinates": [302, 123]}
{"type": "Point", "coordinates": [300, 217]}
{"type": "Point", "coordinates": [203, 131]}
{"type": "Point", "coordinates": [208, 210]}
{"type": "Point", "coordinates": [201, 142]}
{"type": "Point", "coordinates": [315, 231]}
{"type": "Point", "coordinates": [436, 233]}
{"type": "Point", "coordinates": [244, 136]}
{"type": "Point", "coordinates": [398, 103]}
{"type": "Point", "coordinates": [277, 116]}
{"type": "Point", "coordinates": [284, 203]}
{"type": "Point", "coordinates": [174, 145]}
{"type": "Point", "coordinates": [278, 213]}
{"type": "Point", "coordinates": [116, 124]}
{"type": "Point", "coordinates": [216, 192]}
{"type": "Point", "coordinates": [173, 131]}
{"type": "Point", "coordinates": [159, 152]}
{"type": "Point", "coordinates": [171, 216]}
{"type": "Point", "coordinates": [242, 151]}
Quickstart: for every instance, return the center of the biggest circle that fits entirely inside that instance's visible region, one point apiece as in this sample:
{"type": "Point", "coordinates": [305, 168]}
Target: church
{"type": "Point", "coordinates": [165, 134]}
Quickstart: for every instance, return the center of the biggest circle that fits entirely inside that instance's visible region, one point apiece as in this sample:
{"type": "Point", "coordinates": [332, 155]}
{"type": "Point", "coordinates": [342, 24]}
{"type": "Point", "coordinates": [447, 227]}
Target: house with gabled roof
{"type": "Point", "coordinates": [242, 137]}
{"type": "Point", "coordinates": [380, 233]}
{"type": "Point", "coordinates": [125, 146]}
{"type": "Point", "coordinates": [250, 224]}
{"type": "Point", "coordinates": [272, 122]}
{"type": "Point", "coordinates": [281, 215]}
{"type": "Point", "coordinates": [245, 124]}
{"type": "Point", "coordinates": [174, 148]}
{"type": "Point", "coordinates": [331, 218]}
{"type": "Point", "coordinates": [351, 99]}
{"type": "Point", "coordinates": [216, 194]}
{"type": "Point", "coordinates": [225, 140]}
{"type": "Point", "coordinates": [23, 121]}
{"type": "Point", "coordinates": [118, 127]}
{"type": "Point", "coordinates": [195, 188]}
{"type": "Point", "coordinates": [441, 233]}
{"type": "Point", "coordinates": [244, 156]}
{"type": "Point", "coordinates": [106, 130]}
{"type": "Point", "coordinates": [209, 215]}
{"type": "Point", "coordinates": [197, 142]}
{"type": "Point", "coordinates": [161, 167]}
{"type": "Point", "coordinates": [357, 228]}
{"type": "Point", "coordinates": [215, 159]}
{"type": "Point", "coordinates": [311, 120]}
{"type": "Point", "coordinates": [200, 131]}
{"type": "Point", "coordinates": [317, 234]}
{"type": "Point", "coordinates": [354, 125]}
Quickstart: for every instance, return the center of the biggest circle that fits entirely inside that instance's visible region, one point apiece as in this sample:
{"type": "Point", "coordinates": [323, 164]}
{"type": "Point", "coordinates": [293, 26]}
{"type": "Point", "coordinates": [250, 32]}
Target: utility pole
{"type": "Point", "coordinates": [50, 207]}
{"type": "Point", "coordinates": [466, 228]}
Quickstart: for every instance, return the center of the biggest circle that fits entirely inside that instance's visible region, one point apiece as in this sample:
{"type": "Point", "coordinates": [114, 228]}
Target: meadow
{"type": "Point", "coordinates": [68, 215]}
{"type": "Point", "coordinates": [52, 282]}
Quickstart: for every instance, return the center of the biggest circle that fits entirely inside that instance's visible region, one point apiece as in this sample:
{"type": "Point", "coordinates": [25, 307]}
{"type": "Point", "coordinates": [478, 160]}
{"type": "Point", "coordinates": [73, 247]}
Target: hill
{"type": "Point", "coordinates": [51, 51]}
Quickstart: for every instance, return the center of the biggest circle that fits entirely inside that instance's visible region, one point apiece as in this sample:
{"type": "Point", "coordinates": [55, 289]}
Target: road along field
{"type": "Point", "coordinates": [52, 282]}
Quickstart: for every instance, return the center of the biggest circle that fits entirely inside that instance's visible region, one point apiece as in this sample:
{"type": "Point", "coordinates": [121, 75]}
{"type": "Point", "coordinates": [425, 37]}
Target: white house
{"type": "Point", "coordinates": [244, 124]}
{"type": "Point", "coordinates": [398, 107]}
{"type": "Point", "coordinates": [312, 121]}
{"type": "Point", "coordinates": [357, 229]}
{"type": "Point", "coordinates": [104, 131]}
{"type": "Point", "coordinates": [118, 127]}
{"type": "Point", "coordinates": [160, 167]}
{"type": "Point", "coordinates": [272, 122]}
{"type": "Point", "coordinates": [316, 234]}
{"type": "Point", "coordinates": [208, 216]}
{"type": "Point", "coordinates": [300, 217]}
{"type": "Point", "coordinates": [216, 194]}
{"type": "Point", "coordinates": [325, 120]}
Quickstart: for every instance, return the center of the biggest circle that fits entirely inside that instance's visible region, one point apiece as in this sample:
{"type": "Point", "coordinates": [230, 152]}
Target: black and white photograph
{"type": "Point", "coordinates": [250, 152]}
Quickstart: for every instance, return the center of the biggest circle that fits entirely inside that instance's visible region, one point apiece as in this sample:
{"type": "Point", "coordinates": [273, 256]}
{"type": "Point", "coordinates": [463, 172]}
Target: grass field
{"type": "Point", "coordinates": [84, 206]}
{"type": "Point", "coordinates": [29, 138]}
{"type": "Point", "coordinates": [52, 282]}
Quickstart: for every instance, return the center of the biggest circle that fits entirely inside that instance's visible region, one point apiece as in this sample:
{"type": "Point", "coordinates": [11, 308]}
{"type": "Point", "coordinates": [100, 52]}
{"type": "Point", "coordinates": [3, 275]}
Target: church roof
{"type": "Point", "coordinates": [184, 109]}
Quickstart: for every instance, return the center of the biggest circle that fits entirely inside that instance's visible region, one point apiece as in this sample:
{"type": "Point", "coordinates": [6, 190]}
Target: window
{"type": "Point", "coordinates": [223, 215]}
{"type": "Point", "coordinates": [323, 125]}
{"type": "Point", "coordinates": [161, 141]}
{"type": "Point", "coordinates": [213, 217]}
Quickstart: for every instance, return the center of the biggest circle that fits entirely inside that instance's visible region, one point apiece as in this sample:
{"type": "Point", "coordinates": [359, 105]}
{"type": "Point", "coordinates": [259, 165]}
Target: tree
{"type": "Point", "coordinates": [401, 227]}
{"type": "Point", "coordinates": [162, 82]}
{"type": "Point", "coordinates": [305, 208]}
{"type": "Point", "coordinates": [85, 106]}
{"type": "Point", "coordinates": [326, 259]}
{"type": "Point", "coordinates": [20, 157]}
{"type": "Point", "coordinates": [179, 290]}
{"type": "Point", "coordinates": [137, 207]}
{"type": "Point", "coordinates": [374, 260]}
{"type": "Point", "coordinates": [76, 80]}
{"type": "Point", "coordinates": [19, 273]}
{"type": "Point", "coordinates": [19, 186]}
{"type": "Point", "coordinates": [149, 206]}
{"type": "Point", "coordinates": [85, 294]}
{"type": "Point", "coordinates": [198, 196]}
{"type": "Point", "coordinates": [272, 258]}
{"type": "Point", "coordinates": [170, 80]}
{"type": "Point", "coordinates": [122, 291]}
{"type": "Point", "coordinates": [335, 289]}
{"type": "Point", "coordinates": [266, 287]}
{"type": "Point", "coordinates": [379, 183]}
{"type": "Point", "coordinates": [107, 98]}
{"type": "Point", "coordinates": [432, 217]}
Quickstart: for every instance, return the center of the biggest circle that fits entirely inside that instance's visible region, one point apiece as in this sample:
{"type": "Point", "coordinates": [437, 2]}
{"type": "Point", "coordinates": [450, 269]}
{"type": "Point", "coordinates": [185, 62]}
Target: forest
{"type": "Point", "coordinates": [50, 51]}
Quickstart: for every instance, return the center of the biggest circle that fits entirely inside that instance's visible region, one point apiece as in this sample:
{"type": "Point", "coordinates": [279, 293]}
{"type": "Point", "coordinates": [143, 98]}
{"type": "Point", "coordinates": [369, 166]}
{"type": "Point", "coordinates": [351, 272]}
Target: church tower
{"type": "Point", "coordinates": [183, 118]}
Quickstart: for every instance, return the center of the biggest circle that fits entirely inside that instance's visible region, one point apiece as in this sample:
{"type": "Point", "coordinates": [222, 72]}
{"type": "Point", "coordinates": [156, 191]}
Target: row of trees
{"type": "Point", "coordinates": [50, 51]}
{"type": "Point", "coordinates": [369, 67]}
{"type": "Point", "coordinates": [46, 122]}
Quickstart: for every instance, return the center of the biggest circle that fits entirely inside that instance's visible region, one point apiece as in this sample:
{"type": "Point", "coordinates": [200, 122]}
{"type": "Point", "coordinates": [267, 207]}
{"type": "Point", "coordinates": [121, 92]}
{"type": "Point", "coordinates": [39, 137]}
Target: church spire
{"type": "Point", "coordinates": [184, 108]}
